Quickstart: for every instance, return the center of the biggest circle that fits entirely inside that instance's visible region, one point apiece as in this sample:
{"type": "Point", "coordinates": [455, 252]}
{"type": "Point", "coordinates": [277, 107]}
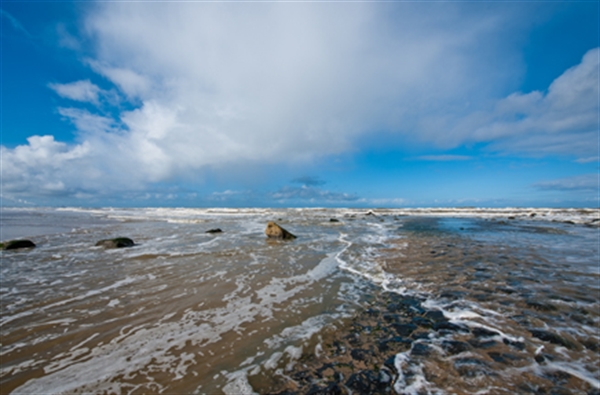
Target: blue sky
{"type": "Point", "coordinates": [344, 104]}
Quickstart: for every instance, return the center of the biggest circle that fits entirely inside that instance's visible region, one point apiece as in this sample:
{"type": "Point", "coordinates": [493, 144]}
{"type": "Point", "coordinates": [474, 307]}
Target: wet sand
{"type": "Point", "coordinates": [376, 302]}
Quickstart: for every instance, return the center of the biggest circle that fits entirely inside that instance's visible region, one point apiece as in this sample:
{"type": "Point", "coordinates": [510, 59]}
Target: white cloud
{"type": "Point", "coordinates": [129, 82]}
{"type": "Point", "coordinates": [444, 158]}
{"type": "Point", "coordinates": [287, 82]}
{"type": "Point", "coordinates": [225, 85]}
{"type": "Point", "coordinates": [589, 182]}
{"type": "Point", "coordinates": [83, 91]}
{"type": "Point", "coordinates": [34, 167]}
{"type": "Point", "coordinates": [563, 120]}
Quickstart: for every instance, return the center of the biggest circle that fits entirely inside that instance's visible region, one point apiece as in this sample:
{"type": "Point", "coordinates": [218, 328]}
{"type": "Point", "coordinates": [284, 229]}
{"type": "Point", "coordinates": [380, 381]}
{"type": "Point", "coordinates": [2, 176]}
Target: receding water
{"type": "Point", "coordinates": [464, 301]}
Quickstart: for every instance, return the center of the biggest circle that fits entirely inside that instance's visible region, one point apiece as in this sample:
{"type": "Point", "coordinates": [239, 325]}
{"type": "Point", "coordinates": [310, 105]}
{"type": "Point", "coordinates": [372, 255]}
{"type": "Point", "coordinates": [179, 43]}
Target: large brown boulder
{"type": "Point", "coordinates": [275, 231]}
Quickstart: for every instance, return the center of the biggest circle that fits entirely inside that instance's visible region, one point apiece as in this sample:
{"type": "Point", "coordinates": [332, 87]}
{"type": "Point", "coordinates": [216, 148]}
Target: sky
{"type": "Point", "coordinates": [300, 103]}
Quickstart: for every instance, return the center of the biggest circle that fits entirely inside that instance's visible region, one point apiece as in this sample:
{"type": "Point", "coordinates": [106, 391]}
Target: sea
{"type": "Point", "coordinates": [381, 301]}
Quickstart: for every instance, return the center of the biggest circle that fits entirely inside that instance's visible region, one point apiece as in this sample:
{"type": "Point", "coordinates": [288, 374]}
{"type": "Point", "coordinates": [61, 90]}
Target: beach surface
{"type": "Point", "coordinates": [406, 301]}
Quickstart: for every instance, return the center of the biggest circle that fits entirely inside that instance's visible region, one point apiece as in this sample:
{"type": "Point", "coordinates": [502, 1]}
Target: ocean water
{"type": "Point", "coordinates": [419, 301]}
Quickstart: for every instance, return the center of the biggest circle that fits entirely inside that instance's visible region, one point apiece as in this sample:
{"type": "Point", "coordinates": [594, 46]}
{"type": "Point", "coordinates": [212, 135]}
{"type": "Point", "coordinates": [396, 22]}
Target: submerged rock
{"type": "Point", "coordinates": [552, 338]}
{"type": "Point", "coordinates": [119, 242]}
{"type": "Point", "coordinates": [17, 244]}
{"type": "Point", "coordinates": [216, 230]}
{"type": "Point", "coordinates": [275, 231]}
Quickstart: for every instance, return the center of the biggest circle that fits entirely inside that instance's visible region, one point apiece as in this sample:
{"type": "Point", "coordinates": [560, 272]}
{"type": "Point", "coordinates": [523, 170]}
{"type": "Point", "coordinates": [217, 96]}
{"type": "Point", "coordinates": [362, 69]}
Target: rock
{"type": "Point", "coordinates": [483, 332]}
{"type": "Point", "coordinates": [454, 347]}
{"type": "Point", "coordinates": [17, 244]}
{"type": "Point", "coordinates": [358, 354]}
{"type": "Point", "coordinates": [334, 220]}
{"type": "Point", "coordinates": [216, 230]}
{"type": "Point", "coordinates": [275, 231]}
{"type": "Point", "coordinates": [513, 343]}
{"type": "Point", "coordinates": [483, 344]}
{"type": "Point", "coordinates": [441, 325]}
{"type": "Point", "coordinates": [366, 382]}
{"type": "Point", "coordinates": [390, 363]}
{"type": "Point", "coordinates": [404, 329]}
{"type": "Point", "coordinates": [420, 349]}
{"type": "Point", "coordinates": [471, 367]}
{"type": "Point", "coordinates": [394, 342]}
{"type": "Point", "coordinates": [551, 337]}
{"type": "Point", "coordinates": [331, 389]}
{"type": "Point", "coordinates": [502, 357]}
{"type": "Point", "coordinates": [119, 242]}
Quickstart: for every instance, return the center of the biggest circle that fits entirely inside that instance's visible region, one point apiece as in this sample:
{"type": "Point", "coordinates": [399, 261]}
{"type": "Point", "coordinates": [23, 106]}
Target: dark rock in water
{"type": "Point", "coordinates": [483, 344]}
{"type": "Point", "coordinates": [551, 337]}
{"type": "Point", "coordinates": [404, 329]}
{"type": "Point", "coordinates": [516, 344]}
{"type": "Point", "coordinates": [331, 389]}
{"type": "Point", "coordinates": [216, 230]}
{"type": "Point", "coordinates": [471, 367]}
{"type": "Point", "coordinates": [435, 316]}
{"type": "Point", "coordinates": [423, 322]}
{"type": "Point", "coordinates": [420, 349]}
{"type": "Point", "coordinates": [393, 317]}
{"type": "Point", "coordinates": [390, 363]}
{"type": "Point", "coordinates": [483, 332]}
{"type": "Point", "coordinates": [392, 342]}
{"type": "Point", "coordinates": [119, 242]}
{"type": "Point", "coordinates": [450, 327]}
{"type": "Point", "coordinates": [454, 347]}
{"type": "Point", "coordinates": [502, 357]}
{"type": "Point", "coordinates": [334, 220]}
{"type": "Point", "coordinates": [540, 359]}
{"type": "Point", "coordinates": [17, 244]}
{"type": "Point", "coordinates": [359, 355]}
{"type": "Point", "coordinates": [366, 382]}
{"type": "Point", "coordinates": [420, 335]}
{"type": "Point", "coordinates": [407, 305]}
{"type": "Point", "coordinates": [453, 295]}
{"type": "Point", "coordinates": [275, 231]}
{"type": "Point", "coordinates": [541, 306]}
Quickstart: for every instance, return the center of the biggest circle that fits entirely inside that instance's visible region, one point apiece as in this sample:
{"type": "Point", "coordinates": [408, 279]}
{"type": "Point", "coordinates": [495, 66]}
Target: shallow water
{"type": "Point", "coordinates": [184, 311]}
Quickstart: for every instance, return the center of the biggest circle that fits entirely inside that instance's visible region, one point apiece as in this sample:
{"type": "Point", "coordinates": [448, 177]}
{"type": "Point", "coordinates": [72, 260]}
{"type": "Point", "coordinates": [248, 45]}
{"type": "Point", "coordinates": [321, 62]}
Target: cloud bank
{"type": "Point", "coordinates": [214, 85]}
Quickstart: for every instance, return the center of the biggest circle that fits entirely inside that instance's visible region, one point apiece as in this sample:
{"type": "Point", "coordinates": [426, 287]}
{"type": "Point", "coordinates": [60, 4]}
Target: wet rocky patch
{"type": "Point", "coordinates": [404, 341]}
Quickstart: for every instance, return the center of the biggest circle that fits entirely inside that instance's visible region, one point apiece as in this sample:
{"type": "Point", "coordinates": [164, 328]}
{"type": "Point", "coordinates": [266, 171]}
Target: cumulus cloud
{"type": "Point", "coordinates": [221, 85]}
{"type": "Point", "coordinates": [564, 120]}
{"type": "Point", "coordinates": [83, 91]}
